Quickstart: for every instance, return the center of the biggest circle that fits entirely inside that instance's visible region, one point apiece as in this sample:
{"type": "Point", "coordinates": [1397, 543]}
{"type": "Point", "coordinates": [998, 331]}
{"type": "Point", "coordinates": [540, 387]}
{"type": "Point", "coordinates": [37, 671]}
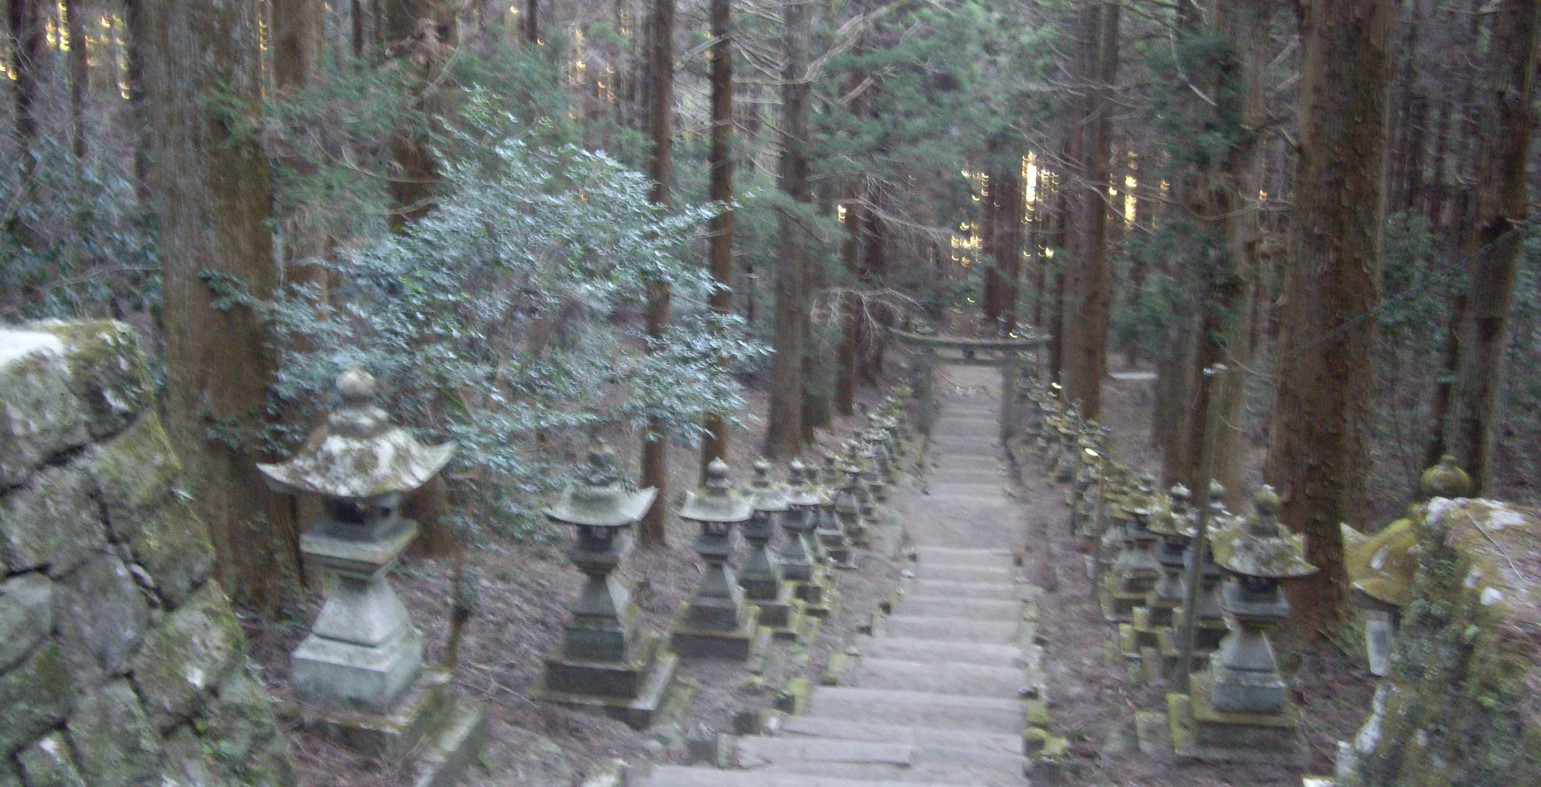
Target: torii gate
{"type": "Point", "coordinates": [931, 350]}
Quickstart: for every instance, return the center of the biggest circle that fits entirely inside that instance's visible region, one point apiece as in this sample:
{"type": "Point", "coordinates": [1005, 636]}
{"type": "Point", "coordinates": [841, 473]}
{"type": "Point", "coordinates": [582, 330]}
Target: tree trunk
{"type": "Point", "coordinates": [1087, 292]}
{"type": "Point", "coordinates": [1494, 249]}
{"type": "Point", "coordinates": [212, 194]}
{"type": "Point", "coordinates": [655, 444]}
{"type": "Point", "coordinates": [29, 50]}
{"type": "Point", "coordinates": [532, 22]}
{"type": "Point", "coordinates": [1319, 455]}
{"type": "Point", "coordinates": [784, 432]}
{"type": "Point", "coordinates": [80, 77]}
{"type": "Point", "coordinates": [720, 161]}
{"type": "Point", "coordinates": [420, 34]}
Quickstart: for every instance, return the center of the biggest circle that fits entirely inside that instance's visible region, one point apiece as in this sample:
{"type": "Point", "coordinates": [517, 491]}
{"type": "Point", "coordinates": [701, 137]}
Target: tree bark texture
{"type": "Point", "coordinates": [1319, 455]}
{"type": "Point", "coordinates": [1088, 282]}
{"type": "Point", "coordinates": [655, 444]}
{"type": "Point", "coordinates": [80, 77]}
{"type": "Point", "coordinates": [720, 161]}
{"type": "Point", "coordinates": [212, 194]}
{"type": "Point", "coordinates": [784, 432]}
{"type": "Point", "coordinates": [1494, 248]}
{"type": "Point", "coordinates": [29, 52]}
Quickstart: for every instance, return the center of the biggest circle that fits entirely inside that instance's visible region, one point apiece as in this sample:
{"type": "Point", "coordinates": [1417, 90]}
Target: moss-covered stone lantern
{"type": "Point", "coordinates": [1239, 709]}
{"type": "Point", "coordinates": [764, 584]}
{"type": "Point", "coordinates": [1171, 522]}
{"type": "Point", "coordinates": [358, 675]}
{"type": "Point", "coordinates": [837, 546]}
{"type": "Point", "coordinates": [606, 662]}
{"type": "Point", "coordinates": [802, 555]}
{"type": "Point", "coordinates": [714, 622]}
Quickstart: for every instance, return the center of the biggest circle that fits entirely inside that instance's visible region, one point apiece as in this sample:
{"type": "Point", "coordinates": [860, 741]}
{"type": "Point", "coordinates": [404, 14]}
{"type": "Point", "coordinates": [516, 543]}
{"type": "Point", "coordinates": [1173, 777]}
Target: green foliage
{"type": "Point", "coordinates": [500, 314]}
{"type": "Point", "coordinates": [73, 241]}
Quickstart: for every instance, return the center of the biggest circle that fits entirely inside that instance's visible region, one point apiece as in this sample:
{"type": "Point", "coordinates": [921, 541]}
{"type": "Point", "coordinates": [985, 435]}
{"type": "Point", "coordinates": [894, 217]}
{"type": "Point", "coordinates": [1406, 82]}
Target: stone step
{"type": "Point", "coordinates": [930, 651]}
{"type": "Point", "coordinates": [986, 480]}
{"type": "Point", "coordinates": [991, 632]}
{"type": "Point", "coordinates": [917, 709]}
{"type": "Point", "coordinates": [680, 776]}
{"type": "Point", "coordinates": [964, 680]}
{"type": "Point", "coordinates": [949, 556]}
{"type": "Point", "coordinates": [999, 590]}
{"type": "Point", "coordinates": [956, 607]}
{"type": "Point", "coordinates": [878, 760]}
{"type": "Point", "coordinates": [967, 573]}
{"type": "Point", "coordinates": [965, 740]}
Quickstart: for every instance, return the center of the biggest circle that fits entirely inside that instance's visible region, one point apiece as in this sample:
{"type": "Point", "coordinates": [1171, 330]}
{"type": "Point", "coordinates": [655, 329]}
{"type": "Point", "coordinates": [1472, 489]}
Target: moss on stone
{"type": "Point", "coordinates": [40, 416]}
{"type": "Point", "coordinates": [1458, 707]}
{"type": "Point", "coordinates": [51, 523]}
{"type": "Point", "coordinates": [35, 697]}
{"type": "Point", "coordinates": [186, 655]}
{"type": "Point", "coordinates": [134, 472]}
{"type": "Point", "coordinates": [240, 735]}
{"type": "Point", "coordinates": [47, 763]}
{"type": "Point", "coordinates": [108, 374]}
{"type": "Point", "coordinates": [111, 737]}
{"type": "Point", "coordinates": [173, 546]}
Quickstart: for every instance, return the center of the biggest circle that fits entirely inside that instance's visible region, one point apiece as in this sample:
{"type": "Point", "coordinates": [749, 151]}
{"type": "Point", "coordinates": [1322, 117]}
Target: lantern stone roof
{"type": "Point", "coordinates": [358, 454]}
{"type": "Point", "coordinates": [600, 498]}
{"type": "Point", "coordinates": [765, 496]}
{"type": "Point", "coordinates": [717, 502]}
{"type": "Point", "coordinates": [1259, 546]}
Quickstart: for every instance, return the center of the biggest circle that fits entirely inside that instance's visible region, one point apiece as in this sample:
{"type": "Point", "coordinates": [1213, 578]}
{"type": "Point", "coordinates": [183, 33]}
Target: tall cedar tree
{"type": "Point", "coordinates": [720, 160]}
{"type": "Point", "coordinates": [1502, 205]}
{"type": "Point", "coordinates": [211, 190]}
{"type": "Point", "coordinates": [655, 444]}
{"type": "Point", "coordinates": [784, 433]}
{"type": "Point", "coordinates": [1319, 454]}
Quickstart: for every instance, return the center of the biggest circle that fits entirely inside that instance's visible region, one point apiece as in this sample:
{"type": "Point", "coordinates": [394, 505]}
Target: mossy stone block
{"type": "Point", "coordinates": [34, 696]}
{"type": "Point", "coordinates": [241, 736]}
{"type": "Point", "coordinates": [40, 417]}
{"type": "Point", "coordinates": [111, 737]}
{"type": "Point", "coordinates": [108, 374]}
{"type": "Point", "coordinates": [171, 543]}
{"type": "Point", "coordinates": [51, 523]}
{"type": "Point", "coordinates": [26, 616]}
{"type": "Point", "coordinates": [185, 655]}
{"type": "Point", "coordinates": [102, 617]}
{"type": "Point", "coordinates": [183, 761]}
{"type": "Point", "coordinates": [134, 472]}
{"type": "Point", "coordinates": [47, 763]}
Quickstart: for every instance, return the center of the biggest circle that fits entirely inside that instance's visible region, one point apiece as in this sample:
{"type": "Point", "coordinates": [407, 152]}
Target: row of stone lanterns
{"type": "Point", "coordinates": [1236, 708]}
{"type": "Point", "coordinates": [359, 675]}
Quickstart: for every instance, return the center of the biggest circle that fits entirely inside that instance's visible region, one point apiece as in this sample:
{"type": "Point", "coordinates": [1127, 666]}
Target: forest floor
{"type": "Point", "coordinates": [526, 588]}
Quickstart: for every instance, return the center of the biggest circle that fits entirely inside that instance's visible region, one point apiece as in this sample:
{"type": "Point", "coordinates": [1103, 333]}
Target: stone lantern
{"type": "Point", "coordinates": [1209, 626]}
{"type": "Point", "coordinates": [802, 555]}
{"type": "Point", "coordinates": [1134, 571]}
{"type": "Point", "coordinates": [714, 622]}
{"type": "Point", "coordinates": [605, 663]}
{"type": "Point", "coordinates": [359, 674]}
{"type": "Point", "coordinates": [828, 528]}
{"type": "Point", "coordinates": [1239, 708]}
{"type": "Point", "coordinates": [1380, 567]}
{"type": "Point", "coordinates": [847, 507]}
{"type": "Point", "coordinates": [762, 580]}
{"type": "Point", "coordinates": [875, 463]}
{"type": "Point", "coordinates": [1171, 522]}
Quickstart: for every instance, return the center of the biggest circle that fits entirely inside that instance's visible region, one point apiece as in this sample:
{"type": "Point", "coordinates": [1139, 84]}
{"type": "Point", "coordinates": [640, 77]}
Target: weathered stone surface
{"type": "Point", "coordinates": [34, 697]}
{"type": "Point", "coordinates": [185, 655]}
{"type": "Point", "coordinates": [172, 545]}
{"type": "Point", "coordinates": [111, 737]}
{"type": "Point", "coordinates": [39, 417]}
{"type": "Point", "coordinates": [108, 374]}
{"type": "Point", "coordinates": [184, 762]}
{"type": "Point", "coordinates": [102, 617]}
{"type": "Point", "coordinates": [52, 523]}
{"type": "Point", "coordinates": [248, 748]}
{"type": "Point", "coordinates": [26, 616]}
{"type": "Point", "coordinates": [10, 775]}
{"type": "Point", "coordinates": [133, 472]}
{"type": "Point", "coordinates": [47, 763]}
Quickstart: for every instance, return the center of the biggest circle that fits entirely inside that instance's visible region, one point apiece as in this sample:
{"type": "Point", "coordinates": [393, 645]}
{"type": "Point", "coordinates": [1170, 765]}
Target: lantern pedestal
{"type": "Point", "coordinates": [1200, 732]}
{"type": "Point", "coordinates": [715, 623]}
{"type": "Point", "coordinates": [631, 689]}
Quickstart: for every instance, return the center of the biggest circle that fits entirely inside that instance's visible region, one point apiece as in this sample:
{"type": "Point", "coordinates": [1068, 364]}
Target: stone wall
{"type": "Point", "coordinates": [121, 661]}
{"type": "Point", "coordinates": [1462, 702]}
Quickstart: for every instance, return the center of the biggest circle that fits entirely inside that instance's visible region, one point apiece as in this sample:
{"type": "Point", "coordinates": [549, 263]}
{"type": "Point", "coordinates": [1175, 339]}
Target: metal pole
{"type": "Point", "coordinates": [1215, 377]}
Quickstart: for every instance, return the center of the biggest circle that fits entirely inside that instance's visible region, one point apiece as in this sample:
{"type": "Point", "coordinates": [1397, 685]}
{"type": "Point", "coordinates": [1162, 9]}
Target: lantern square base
{"type": "Point", "coordinates": [440, 732]}
{"type": "Point", "coordinates": [1199, 732]}
{"type": "Point", "coordinates": [1118, 607]}
{"type": "Point", "coordinates": [631, 692]}
{"type": "Point", "coordinates": [741, 643]}
{"type": "Point", "coordinates": [346, 676]}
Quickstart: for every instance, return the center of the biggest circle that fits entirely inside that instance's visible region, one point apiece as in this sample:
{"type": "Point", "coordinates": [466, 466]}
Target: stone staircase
{"type": "Point", "coordinates": [943, 691]}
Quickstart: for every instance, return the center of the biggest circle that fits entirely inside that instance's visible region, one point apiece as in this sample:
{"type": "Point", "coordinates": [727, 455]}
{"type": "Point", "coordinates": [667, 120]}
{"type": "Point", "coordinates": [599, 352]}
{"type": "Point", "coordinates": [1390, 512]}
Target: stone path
{"type": "Point", "coordinates": [943, 690]}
